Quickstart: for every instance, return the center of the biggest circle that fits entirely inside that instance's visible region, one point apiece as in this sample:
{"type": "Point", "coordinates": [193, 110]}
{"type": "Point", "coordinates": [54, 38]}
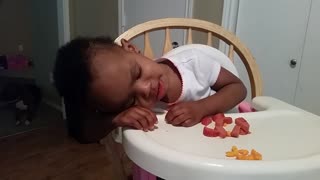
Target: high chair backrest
{"type": "Point", "coordinates": [235, 46]}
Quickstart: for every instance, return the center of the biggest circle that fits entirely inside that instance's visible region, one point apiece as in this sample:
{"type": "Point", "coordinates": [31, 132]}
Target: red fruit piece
{"type": "Point", "coordinates": [235, 131]}
{"type": "Point", "coordinates": [222, 132]}
{"type": "Point", "coordinates": [243, 124]}
{"type": "Point", "coordinates": [217, 116]}
{"type": "Point", "coordinates": [219, 122]}
{"type": "Point", "coordinates": [227, 120]}
{"type": "Point", "coordinates": [206, 121]}
{"type": "Point", "coordinates": [209, 132]}
{"type": "Point", "coordinates": [242, 132]}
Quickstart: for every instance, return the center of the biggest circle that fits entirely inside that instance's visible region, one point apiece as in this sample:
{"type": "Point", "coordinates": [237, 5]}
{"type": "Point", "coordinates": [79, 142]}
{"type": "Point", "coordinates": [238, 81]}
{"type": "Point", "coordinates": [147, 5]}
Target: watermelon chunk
{"type": "Point", "coordinates": [243, 124]}
{"type": "Point", "coordinates": [227, 120]}
{"type": "Point", "coordinates": [235, 131]}
{"type": "Point", "coordinates": [217, 116]}
{"type": "Point", "coordinates": [222, 132]}
{"type": "Point", "coordinates": [242, 132]}
{"type": "Point", "coordinates": [219, 122]}
{"type": "Point", "coordinates": [209, 132]}
{"type": "Point", "coordinates": [206, 121]}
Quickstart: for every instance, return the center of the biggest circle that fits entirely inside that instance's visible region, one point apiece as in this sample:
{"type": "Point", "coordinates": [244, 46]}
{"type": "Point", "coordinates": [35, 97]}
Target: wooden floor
{"type": "Point", "coordinates": [50, 154]}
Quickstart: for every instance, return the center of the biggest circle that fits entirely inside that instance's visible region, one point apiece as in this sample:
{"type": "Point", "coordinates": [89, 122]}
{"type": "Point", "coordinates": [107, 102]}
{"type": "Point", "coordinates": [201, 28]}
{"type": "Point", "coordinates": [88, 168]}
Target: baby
{"type": "Point", "coordinates": [120, 80]}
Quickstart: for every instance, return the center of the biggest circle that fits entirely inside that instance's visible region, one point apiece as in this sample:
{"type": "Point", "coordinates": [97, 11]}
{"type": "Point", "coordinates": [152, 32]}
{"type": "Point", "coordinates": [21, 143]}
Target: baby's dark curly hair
{"type": "Point", "coordinates": [71, 72]}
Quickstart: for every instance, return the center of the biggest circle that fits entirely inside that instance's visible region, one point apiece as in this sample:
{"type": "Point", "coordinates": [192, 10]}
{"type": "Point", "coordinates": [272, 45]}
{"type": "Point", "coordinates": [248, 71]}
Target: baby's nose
{"type": "Point", "coordinates": [143, 89]}
{"type": "Point", "coordinates": [143, 95]}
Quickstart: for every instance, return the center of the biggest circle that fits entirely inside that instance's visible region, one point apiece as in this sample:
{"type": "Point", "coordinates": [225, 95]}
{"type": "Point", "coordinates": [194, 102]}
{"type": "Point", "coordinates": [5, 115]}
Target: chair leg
{"type": "Point", "coordinates": [144, 175]}
{"type": "Point", "coordinates": [141, 174]}
{"type": "Point", "coordinates": [111, 150]}
{"type": "Point", "coordinates": [152, 177]}
{"type": "Point", "coordinates": [135, 172]}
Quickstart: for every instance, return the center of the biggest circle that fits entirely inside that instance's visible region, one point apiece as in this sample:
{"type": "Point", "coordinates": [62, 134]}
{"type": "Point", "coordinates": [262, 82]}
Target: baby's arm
{"type": "Point", "coordinates": [230, 91]}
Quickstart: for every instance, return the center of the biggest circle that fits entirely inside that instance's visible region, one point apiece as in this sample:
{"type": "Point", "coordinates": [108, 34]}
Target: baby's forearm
{"type": "Point", "coordinates": [225, 99]}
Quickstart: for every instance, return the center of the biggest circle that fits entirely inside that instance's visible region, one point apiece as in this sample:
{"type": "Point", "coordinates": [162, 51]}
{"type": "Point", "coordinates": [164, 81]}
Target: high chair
{"type": "Point", "coordinates": [183, 153]}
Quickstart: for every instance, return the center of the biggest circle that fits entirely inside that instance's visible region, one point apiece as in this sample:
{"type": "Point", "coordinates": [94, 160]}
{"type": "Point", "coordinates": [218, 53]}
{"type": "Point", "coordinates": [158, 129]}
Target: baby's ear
{"type": "Point", "coordinates": [126, 45]}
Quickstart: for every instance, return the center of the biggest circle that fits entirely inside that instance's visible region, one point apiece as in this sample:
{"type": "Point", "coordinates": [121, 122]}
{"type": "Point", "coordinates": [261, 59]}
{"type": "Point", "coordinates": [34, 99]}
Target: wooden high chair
{"type": "Point", "coordinates": [212, 30]}
{"type": "Point", "coordinates": [167, 24]}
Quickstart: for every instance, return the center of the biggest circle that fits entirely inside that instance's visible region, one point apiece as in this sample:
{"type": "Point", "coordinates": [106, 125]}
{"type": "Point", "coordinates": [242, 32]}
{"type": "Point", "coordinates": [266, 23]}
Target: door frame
{"type": "Point", "coordinates": [121, 17]}
{"type": "Point", "coordinates": [63, 34]}
{"type": "Point", "coordinates": [229, 20]}
{"type": "Point", "coordinates": [63, 21]}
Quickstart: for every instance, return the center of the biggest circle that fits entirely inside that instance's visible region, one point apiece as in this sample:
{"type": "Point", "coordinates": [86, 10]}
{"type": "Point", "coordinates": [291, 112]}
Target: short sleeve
{"type": "Point", "coordinates": [207, 70]}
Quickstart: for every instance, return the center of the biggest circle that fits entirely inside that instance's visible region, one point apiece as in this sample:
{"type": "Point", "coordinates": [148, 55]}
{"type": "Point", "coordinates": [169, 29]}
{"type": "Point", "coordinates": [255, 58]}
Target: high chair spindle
{"type": "Point", "coordinates": [147, 46]}
{"type": "Point", "coordinates": [209, 40]}
{"type": "Point", "coordinates": [231, 53]}
{"type": "Point", "coordinates": [167, 42]}
{"type": "Point", "coordinates": [189, 41]}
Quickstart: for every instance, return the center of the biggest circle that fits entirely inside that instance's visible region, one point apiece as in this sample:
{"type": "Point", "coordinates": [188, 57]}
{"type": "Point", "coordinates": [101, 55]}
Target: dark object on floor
{"type": "Point", "coordinates": [83, 123]}
{"type": "Point", "coordinates": [24, 98]}
{"type": "Point", "coordinates": [3, 62]}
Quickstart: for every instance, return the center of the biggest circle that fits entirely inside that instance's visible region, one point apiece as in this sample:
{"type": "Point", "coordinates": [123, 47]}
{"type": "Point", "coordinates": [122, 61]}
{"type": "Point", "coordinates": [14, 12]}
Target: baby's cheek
{"type": "Point", "coordinates": [149, 104]}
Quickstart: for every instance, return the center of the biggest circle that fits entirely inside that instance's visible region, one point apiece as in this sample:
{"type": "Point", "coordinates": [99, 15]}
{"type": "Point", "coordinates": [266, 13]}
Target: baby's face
{"type": "Point", "coordinates": [122, 78]}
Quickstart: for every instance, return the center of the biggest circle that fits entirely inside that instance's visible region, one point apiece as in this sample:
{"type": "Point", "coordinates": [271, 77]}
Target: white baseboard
{"type": "Point", "coordinates": [22, 132]}
{"type": "Point", "coordinates": [53, 105]}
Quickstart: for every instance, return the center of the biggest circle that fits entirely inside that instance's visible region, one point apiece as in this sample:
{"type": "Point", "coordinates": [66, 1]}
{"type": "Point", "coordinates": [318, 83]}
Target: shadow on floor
{"type": "Point", "coordinates": [46, 117]}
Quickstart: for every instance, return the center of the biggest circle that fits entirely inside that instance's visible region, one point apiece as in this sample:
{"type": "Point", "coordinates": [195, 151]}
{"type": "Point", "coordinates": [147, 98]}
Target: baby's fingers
{"type": "Point", "coordinates": [179, 120]}
{"type": "Point", "coordinates": [172, 114]}
{"type": "Point", "coordinates": [189, 123]}
{"type": "Point", "coordinates": [146, 119]}
{"type": "Point", "coordinates": [151, 116]}
{"type": "Point", "coordinates": [134, 119]}
{"type": "Point", "coordinates": [136, 124]}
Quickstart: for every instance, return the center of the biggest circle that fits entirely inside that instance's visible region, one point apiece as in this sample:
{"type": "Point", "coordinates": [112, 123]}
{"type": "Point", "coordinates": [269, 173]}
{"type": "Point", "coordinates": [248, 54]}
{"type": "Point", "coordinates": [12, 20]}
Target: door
{"type": "Point", "coordinates": [274, 31]}
{"type": "Point", "coordinates": [307, 96]}
{"type": "Point", "coordinates": [139, 11]}
{"type": "Point", "coordinates": [45, 43]}
{"type": "Point", "coordinates": [208, 10]}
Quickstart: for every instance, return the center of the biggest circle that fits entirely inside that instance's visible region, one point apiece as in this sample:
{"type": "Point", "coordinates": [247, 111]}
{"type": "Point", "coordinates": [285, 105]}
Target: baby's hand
{"type": "Point", "coordinates": [136, 117]}
{"type": "Point", "coordinates": [184, 114]}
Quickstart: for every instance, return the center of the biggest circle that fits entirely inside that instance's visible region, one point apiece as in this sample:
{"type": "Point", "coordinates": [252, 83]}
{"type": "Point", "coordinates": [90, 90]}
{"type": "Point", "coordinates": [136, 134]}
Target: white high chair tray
{"type": "Point", "coordinates": [286, 136]}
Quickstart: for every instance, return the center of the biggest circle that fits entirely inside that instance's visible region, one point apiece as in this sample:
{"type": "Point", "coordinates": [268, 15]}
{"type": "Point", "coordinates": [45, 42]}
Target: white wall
{"type": "Point", "coordinates": [94, 18]}
{"type": "Point", "coordinates": [15, 26]}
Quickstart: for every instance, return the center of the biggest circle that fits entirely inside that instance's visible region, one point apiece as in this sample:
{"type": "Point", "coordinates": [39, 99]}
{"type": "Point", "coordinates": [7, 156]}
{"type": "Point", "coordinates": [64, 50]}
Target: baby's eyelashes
{"type": "Point", "coordinates": [138, 72]}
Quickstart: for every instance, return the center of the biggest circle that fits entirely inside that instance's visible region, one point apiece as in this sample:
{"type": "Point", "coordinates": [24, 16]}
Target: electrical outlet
{"type": "Point", "coordinates": [20, 47]}
{"type": "Point", "coordinates": [51, 80]}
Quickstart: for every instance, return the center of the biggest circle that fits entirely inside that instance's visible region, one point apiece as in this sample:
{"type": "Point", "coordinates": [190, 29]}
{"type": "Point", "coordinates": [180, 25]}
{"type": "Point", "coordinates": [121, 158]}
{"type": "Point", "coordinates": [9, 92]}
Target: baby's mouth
{"type": "Point", "coordinates": [161, 91]}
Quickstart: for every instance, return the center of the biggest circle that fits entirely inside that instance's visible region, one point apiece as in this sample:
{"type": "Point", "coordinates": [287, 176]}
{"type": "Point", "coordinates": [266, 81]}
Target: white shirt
{"type": "Point", "coordinates": [199, 66]}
